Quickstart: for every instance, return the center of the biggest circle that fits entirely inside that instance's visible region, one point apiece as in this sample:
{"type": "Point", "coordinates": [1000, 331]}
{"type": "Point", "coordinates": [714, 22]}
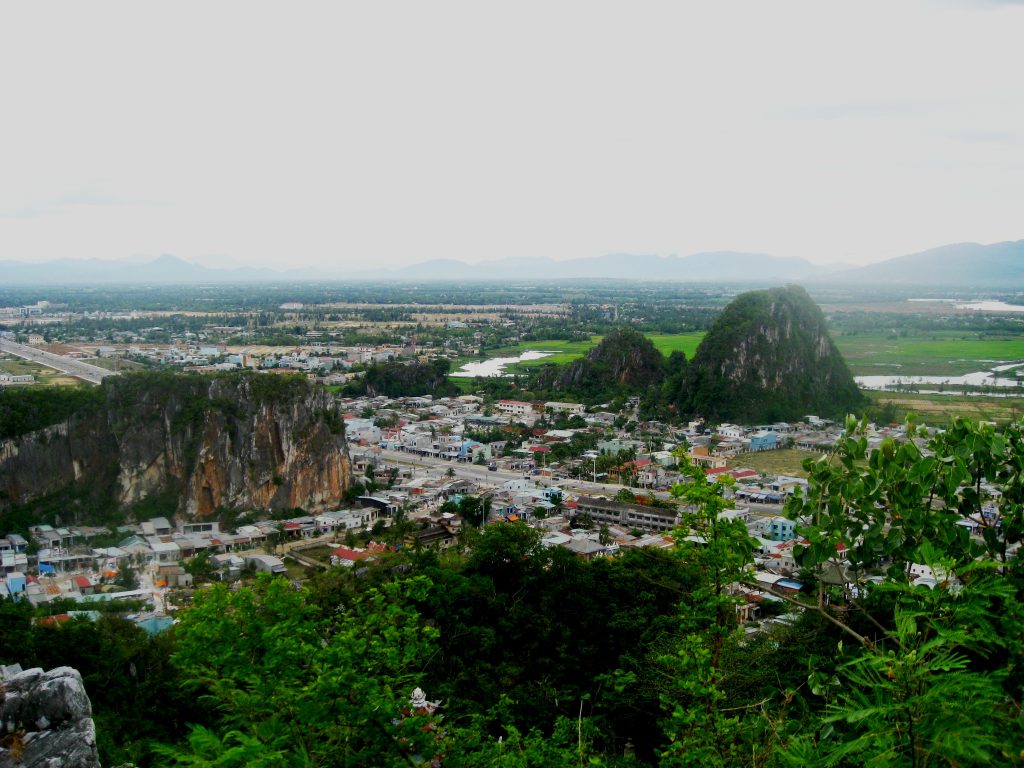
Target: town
{"type": "Point", "coordinates": [426, 469]}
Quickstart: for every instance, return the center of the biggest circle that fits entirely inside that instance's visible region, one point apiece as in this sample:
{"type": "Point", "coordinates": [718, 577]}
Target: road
{"type": "Point", "coordinates": [91, 373]}
{"type": "Point", "coordinates": [480, 474]}
{"type": "Point", "coordinates": [484, 476]}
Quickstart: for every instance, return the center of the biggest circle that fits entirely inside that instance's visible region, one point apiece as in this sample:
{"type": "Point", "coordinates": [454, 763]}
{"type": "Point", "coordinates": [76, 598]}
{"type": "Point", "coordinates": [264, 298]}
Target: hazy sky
{"type": "Point", "coordinates": [381, 133]}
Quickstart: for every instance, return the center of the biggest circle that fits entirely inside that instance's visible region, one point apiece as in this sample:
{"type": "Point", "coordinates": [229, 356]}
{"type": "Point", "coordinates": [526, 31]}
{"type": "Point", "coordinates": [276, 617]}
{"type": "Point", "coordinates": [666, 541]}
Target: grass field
{"type": "Point", "coordinates": [116, 364]}
{"type": "Point", "coordinates": [46, 377]}
{"type": "Point", "coordinates": [567, 351]}
{"type": "Point", "coordinates": [937, 410]}
{"type": "Point", "coordinates": [865, 355]}
{"type": "Point", "coordinates": [937, 356]}
{"type": "Point", "coordinates": [785, 461]}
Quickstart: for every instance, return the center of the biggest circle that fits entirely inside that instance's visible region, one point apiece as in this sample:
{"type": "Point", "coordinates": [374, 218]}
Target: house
{"type": "Point", "coordinates": [84, 585]}
{"type": "Point", "coordinates": [516, 408]}
{"type": "Point", "coordinates": [779, 528]}
{"type": "Point", "coordinates": [348, 558]}
{"type": "Point", "coordinates": [164, 550]}
{"type": "Point", "coordinates": [586, 549]}
{"type": "Point", "coordinates": [439, 536]}
{"type": "Point", "coordinates": [570, 408]}
{"type": "Point", "coordinates": [763, 441]}
{"type": "Point", "coordinates": [13, 562]}
{"type": "Point", "coordinates": [174, 576]}
{"type": "Point", "coordinates": [157, 526]}
{"type": "Point", "coordinates": [227, 566]}
{"type": "Point", "coordinates": [266, 563]}
{"type": "Point", "coordinates": [702, 457]}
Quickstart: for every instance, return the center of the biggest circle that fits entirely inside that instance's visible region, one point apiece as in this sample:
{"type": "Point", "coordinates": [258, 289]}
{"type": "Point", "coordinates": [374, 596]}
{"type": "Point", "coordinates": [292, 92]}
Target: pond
{"type": "Point", "coordinates": [495, 366]}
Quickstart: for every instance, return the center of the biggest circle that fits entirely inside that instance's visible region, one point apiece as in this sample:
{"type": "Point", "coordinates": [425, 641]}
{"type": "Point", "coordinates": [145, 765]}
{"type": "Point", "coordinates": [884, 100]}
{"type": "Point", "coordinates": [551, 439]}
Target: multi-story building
{"type": "Point", "coordinates": [605, 512]}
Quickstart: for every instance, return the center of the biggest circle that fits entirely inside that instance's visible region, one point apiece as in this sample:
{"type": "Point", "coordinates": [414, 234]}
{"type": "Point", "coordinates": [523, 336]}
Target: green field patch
{"type": "Point", "coordinates": [926, 356]}
{"type": "Point", "coordinates": [687, 343]}
{"type": "Point", "coordinates": [567, 351]}
{"type": "Point", "coordinates": [784, 461]}
{"type": "Point", "coordinates": [47, 377]}
{"type": "Point", "coordinates": [866, 355]}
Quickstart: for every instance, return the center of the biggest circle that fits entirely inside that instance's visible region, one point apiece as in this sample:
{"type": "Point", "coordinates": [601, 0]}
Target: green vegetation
{"type": "Point", "coordinates": [542, 659]}
{"type": "Point", "coordinates": [44, 377]}
{"type": "Point", "coordinates": [769, 357]}
{"type": "Point", "coordinates": [136, 691]}
{"type": "Point", "coordinates": [938, 409]}
{"type": "Point", "coordinates": [25, 409]}
{"type": "Point", "coordinates": [568, 351]}
{"type": "Point", "coordinates": [625, 362]}
{"type": "Point", "coordinates": [400, 379]}
{"type": "Point", "coordinates": [784, 461]}
{"type": "Point", "coordinates": [931, 355]}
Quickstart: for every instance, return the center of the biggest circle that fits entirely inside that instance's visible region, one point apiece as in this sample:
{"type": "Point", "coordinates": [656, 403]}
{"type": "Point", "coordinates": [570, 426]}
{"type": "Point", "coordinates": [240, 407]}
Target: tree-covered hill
{"type": "Point", "coordinates": [625, 363]}
{"type": "Point", "coordinates": [769, 357]}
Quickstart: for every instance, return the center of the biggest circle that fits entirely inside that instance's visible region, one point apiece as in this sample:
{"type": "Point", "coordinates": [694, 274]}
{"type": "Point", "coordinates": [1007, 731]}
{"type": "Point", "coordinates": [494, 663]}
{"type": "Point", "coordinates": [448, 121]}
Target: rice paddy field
{"type": "Point", "coordinates": [567, 351]}
{"type": "Point", "coordinates": [864, 354]}
{"type": "Point", "coordinates": [937, 410]}
{"type": "Point", "coordinates": [926, 356]}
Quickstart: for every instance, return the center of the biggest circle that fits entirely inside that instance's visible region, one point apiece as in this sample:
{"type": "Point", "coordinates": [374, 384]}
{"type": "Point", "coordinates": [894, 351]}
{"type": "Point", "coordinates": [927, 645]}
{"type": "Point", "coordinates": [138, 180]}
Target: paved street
{"type": "Point", "coordinates": [437, 467]}
{"type": "Point", "coordinates": [480, 474]}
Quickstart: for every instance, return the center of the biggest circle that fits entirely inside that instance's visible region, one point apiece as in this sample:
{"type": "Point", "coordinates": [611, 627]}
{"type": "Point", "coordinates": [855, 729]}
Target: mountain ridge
{"type": "Point", "coordinates": [954, 265]}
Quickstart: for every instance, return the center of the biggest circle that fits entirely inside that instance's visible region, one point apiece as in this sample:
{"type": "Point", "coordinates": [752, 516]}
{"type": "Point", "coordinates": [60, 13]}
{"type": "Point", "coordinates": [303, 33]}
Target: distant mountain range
{"type": "Point", "coordinates": [960, 265]}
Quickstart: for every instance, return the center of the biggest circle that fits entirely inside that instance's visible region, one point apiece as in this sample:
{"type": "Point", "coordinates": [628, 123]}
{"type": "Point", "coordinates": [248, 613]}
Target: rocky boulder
{"type": "Point", "coordinates": [46, 721]}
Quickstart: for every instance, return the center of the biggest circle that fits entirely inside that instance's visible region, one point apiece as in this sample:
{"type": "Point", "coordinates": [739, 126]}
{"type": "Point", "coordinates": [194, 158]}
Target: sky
{"type": "Point", "coordinates": [378, 134]}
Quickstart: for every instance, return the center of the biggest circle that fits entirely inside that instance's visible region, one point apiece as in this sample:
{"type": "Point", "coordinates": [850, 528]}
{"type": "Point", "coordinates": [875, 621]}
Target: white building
{"type": "Point", "coordinates": [557, 407]}
{"type": "Point", "coordinates": [515, 407]}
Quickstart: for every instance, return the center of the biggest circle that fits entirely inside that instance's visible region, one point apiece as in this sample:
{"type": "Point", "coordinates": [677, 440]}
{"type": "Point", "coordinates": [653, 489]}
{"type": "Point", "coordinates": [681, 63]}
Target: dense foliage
{"type": "Point", "coordinates": [769, 357]}
{"type": "Point", "coordinates": [625, 362]}
{"type": "Point", "coordinates": [402, 379]}
{"type": "Point", "coordinates": [539, 658]}
{"type": "Point", "coordinates": [26, 409]}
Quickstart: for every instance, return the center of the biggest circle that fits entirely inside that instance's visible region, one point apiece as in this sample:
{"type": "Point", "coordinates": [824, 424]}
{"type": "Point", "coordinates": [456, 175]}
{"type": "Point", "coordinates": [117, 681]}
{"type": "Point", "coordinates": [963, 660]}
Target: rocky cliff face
{"type": "Point", "coordinates": [238, 441]}
{"type": "Point", "coordinates": [769, 357]}
{"type": "Point", "coordinates": [46, 721]}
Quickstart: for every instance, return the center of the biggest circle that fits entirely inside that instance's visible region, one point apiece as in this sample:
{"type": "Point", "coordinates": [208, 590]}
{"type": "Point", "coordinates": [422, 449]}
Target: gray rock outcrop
{"type": "Point", "coordinates": [254, 441]}
{"type": "Point", "coordinates": [46, 721]}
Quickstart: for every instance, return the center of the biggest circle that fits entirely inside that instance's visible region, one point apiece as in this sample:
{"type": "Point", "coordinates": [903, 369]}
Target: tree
{"type": "Point", "coordinates": [932, 676]}
{"type": "Point", "coordinates": [557, 501]}
{"type": "Point", "coordinates": [294, 688]}
{"type": "Point", "coordinates": [127, 576]}
{"type": "Point", "coordinates": [199, 566]}
{"type": "Point", "coordinates": [719, 550]}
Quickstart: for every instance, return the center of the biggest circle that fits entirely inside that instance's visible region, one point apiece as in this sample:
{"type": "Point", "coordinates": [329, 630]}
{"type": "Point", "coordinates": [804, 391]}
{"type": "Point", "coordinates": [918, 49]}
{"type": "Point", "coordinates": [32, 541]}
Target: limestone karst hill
{"type": "Point", "coordinates": [769, 357]}
{"type": "Point", "coordinates": [625, 361]}
{"type": "Point", "coordinates": [241, 441]}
